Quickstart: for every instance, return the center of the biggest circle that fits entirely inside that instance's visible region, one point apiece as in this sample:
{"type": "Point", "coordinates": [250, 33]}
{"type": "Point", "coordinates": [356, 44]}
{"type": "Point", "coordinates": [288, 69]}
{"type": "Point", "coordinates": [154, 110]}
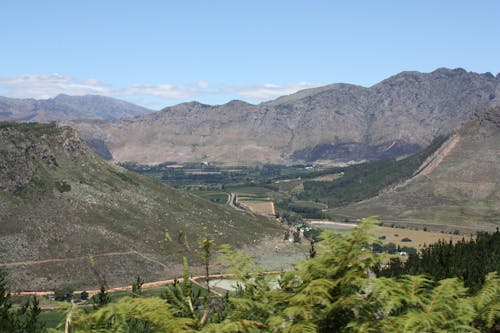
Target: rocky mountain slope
{"type": "Point", "coordinates": [69, 217]}
{"type": "Point", "coordinates": [64, 107]}
{"type": "Point", "coordinates": [458, 185]}
{"type": "Point", "coordinates": [338, 122]}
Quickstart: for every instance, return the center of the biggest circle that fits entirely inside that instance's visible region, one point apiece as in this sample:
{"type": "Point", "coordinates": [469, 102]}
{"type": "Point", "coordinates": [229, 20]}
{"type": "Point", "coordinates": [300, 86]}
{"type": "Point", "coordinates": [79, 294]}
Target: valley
{"type": "Point", "coordinates": [250, 166]}
{"type": "Point", "coordinates": [79, 213]}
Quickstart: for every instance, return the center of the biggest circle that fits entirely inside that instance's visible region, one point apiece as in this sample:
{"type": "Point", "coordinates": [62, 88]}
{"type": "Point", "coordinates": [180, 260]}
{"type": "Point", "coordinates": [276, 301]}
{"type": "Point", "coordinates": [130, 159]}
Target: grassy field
{"type": "Point", "coordinates": [418, 238]}
{"type": "Point", "coordinates": [52, 318]}
{"type": "Point", "coordinates": [250, 191]}
{"type": "Point", "coordinates": [217, 197]}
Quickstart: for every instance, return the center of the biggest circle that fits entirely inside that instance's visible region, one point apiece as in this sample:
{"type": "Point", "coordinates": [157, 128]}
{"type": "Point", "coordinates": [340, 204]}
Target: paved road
{"type": "Point", "coordinates": [232, 201]}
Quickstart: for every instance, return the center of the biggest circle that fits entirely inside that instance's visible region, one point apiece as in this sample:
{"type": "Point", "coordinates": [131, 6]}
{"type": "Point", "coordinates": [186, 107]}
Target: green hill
{"type": "Point", "coordinates": [67, 217]}
{"type": "Point", "coordinates": [457, 186]}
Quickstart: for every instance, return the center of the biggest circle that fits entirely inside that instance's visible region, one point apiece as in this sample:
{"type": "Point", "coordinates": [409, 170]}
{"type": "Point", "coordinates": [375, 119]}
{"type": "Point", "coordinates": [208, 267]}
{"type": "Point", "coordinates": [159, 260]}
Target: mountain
{"type": "Point", "coordinates": [64, 107]}
{"type": "Point", "coordinates": [458, 185]}
{"type": "Point", "coordinates": [67, 217]}
{"type": "Point", "coordinates": [339, 122]}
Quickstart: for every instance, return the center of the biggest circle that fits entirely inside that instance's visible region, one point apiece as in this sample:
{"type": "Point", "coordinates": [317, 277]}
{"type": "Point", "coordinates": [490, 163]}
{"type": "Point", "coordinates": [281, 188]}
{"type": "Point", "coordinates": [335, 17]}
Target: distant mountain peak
{"type": "Point", "coordinates": [237, 103]}
{"type": "Point", "coordinates": [65, 107]}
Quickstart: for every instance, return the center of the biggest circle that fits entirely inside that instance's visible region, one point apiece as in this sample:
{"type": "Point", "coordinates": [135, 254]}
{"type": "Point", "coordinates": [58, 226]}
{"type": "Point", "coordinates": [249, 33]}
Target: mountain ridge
{"type": "Point", "coordinates": [339, 122]}
{"type": "Point", "coordinates": [66, 107]}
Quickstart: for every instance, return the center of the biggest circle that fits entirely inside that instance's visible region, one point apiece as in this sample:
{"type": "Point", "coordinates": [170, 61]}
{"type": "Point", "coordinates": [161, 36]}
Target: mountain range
{"type": "Point", "coordinates": [67, 217]}
{"type": "Point", "coordinates": [339, 122]}
{"type": "Point", "coordinates": [65, 107]}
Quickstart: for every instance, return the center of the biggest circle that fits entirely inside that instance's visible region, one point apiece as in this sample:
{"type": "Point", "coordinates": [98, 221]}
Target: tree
{"type": "Point", "coordinates": [184, 300]}
{"type": "Point", "coordinates": [23, 320]}
{"type": "Point", "coordinates": [28, 315]}
{"type": "Point", "coordinates": [137, 286]}
{"type": "Point", "coordinates": [84, 295]}
{"type": "Point", "coordinates": [133, 315]}
{"type": "Point", "coordinates": [102, 298]}
{"type": "Point", "coordinates": [312, 250]}
{"type": "Point", "coordinates": [63, 294]}
{"type": "Point", "coordinates": [206, 246]}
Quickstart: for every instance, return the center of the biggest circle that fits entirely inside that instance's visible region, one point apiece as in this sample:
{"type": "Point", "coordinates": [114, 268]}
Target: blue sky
{"type": "Point", "coordinates": [159, 53]}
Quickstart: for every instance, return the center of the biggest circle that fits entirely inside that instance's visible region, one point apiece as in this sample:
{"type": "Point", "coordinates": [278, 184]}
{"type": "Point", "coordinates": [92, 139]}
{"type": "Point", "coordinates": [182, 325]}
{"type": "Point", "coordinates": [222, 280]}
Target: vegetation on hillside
{"type": "Point", "coordinates": [469, 260]}
{"type": "Point", "coordinates": [58, 200]}
{"type": "Point", "coordinates": [366, 180]}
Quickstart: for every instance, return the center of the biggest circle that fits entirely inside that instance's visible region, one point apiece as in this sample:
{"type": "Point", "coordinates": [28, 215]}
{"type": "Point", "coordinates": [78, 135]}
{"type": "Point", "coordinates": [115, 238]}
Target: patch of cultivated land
{"type": "Point", "coordinates": [418, 238]}
{"type": "Point", "coordinates": [258, 206]}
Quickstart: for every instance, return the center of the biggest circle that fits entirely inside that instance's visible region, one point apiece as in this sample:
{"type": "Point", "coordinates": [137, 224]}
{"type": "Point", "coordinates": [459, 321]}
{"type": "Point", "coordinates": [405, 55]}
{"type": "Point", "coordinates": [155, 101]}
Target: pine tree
{"type": "Point", "coordinates": [137, 286]}
{"type": "Point", "coordinates": [6, 317]}
{"type": "Point", "coordinates": [28, 317]}
{"type": "Point", "coordinates": [102, 298]}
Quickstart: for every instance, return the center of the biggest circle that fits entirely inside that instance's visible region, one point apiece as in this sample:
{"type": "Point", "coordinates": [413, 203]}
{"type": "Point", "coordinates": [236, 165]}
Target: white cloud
{"type": "Point", "coordinates": [202, 84]}
{"type": "Point", "coordinates": [271, 90]}
{"type": "Point", "coordinates": [49, 85]}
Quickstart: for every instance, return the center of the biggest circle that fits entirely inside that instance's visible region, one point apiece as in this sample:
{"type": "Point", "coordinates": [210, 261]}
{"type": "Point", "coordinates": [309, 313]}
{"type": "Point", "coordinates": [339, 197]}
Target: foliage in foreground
{"type": "Point", "coordinates": [336, 291]}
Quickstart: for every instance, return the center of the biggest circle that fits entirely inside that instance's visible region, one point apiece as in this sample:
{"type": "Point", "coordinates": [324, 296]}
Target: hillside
{"type": "Point", "coordinates": [366, 180]}
{"type": "Point", "coordinates": [66, 214]}
{"type": "Point", "coordinates": [64, 107]}
{"type": "Point", "coordinates": [339, 122]}
{"type": "Point", "coordinates": [458, 185]}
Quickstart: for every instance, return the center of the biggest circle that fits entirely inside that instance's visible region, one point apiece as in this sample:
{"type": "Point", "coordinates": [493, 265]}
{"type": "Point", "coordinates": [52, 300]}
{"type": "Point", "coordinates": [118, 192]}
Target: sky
{"type": "Point", "coordinates": [160, 53]}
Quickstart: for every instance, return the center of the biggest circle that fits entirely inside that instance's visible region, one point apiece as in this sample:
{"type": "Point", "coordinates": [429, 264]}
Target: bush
{"type": "Point", "coordinates": [406, 239]}
{"type": "Point", "coordinates": [62, 186]}
{"type": "Point", "coordinates": [64, 294]}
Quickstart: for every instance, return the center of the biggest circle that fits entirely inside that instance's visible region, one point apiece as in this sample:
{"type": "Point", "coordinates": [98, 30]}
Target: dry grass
{"type": "Point", "coordinates": [418, 237]}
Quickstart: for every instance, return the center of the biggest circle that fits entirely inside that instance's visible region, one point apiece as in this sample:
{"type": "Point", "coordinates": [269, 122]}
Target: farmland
{"type": "Point", "coordinates": [295, 192]}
